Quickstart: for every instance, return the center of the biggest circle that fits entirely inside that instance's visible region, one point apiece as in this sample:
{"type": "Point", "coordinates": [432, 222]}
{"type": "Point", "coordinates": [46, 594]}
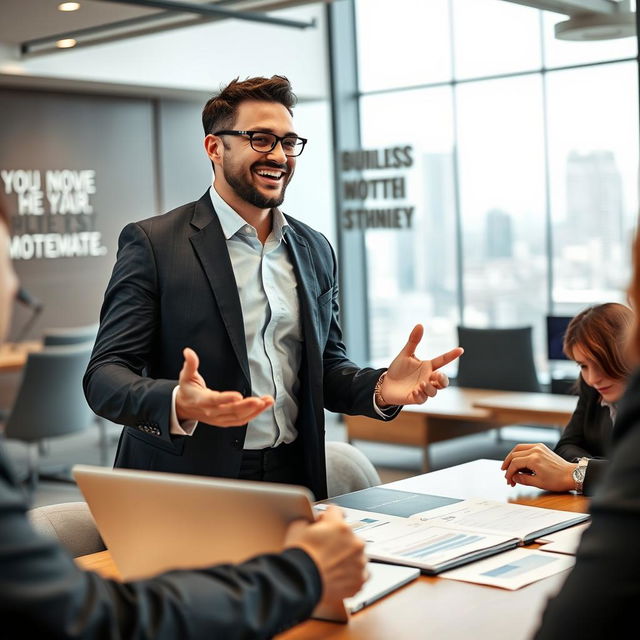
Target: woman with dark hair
{"type": "Point", "coordinates": [596, 340]}
{"type": "Point", "coordinates": [601, 594]}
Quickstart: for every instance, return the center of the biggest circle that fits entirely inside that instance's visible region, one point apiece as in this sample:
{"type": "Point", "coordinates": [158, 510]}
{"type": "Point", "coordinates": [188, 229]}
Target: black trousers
{"type": "Point", "coordinates": [276, 464]}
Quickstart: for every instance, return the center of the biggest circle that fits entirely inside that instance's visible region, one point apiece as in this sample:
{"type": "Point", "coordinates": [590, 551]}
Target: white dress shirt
{"type": "Point", "coordinates": [268, 292]}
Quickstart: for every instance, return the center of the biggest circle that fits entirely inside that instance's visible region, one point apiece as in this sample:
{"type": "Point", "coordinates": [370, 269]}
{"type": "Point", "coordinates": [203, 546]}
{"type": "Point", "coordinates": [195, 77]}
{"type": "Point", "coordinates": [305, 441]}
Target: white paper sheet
{"type": "Point", "coordinates": [363, 522]}
{"type": "Point", "coordinates": [566, 541]}
{"type": "Point", "coordinates": [425, 545]}
{"type": "Point", "coordinates": [512, 569]}
{"type": "Point", "coordinates": [499, 518]}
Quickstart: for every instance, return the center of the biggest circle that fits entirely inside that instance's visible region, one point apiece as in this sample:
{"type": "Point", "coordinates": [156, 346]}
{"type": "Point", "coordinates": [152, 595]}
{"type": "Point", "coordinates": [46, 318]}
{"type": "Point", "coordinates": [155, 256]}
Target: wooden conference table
{"type": "Point", "coordinates": [459, 411]}
{"type": "Point", "coordinates": [432, 607]}
{"type": "Point", "coordinates": [13, 356]}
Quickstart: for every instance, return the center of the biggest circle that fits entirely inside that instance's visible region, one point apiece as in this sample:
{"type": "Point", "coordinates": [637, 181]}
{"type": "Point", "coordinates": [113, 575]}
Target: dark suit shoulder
{"type": "Point", "coordinates": [168, 220]}
{"type": "Point", "coordinates": [186, 218]}
{"type": "Point", "coordinates": [312, 236]}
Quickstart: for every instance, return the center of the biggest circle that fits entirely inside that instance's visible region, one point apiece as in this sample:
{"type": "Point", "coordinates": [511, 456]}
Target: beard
{"type": "Point", "coordinates": [249, 193]}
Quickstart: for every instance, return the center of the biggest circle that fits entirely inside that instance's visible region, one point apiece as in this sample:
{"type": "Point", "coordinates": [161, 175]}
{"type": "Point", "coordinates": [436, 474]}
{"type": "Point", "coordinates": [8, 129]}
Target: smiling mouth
{"type": "Point", "coordinates": [274, 176]}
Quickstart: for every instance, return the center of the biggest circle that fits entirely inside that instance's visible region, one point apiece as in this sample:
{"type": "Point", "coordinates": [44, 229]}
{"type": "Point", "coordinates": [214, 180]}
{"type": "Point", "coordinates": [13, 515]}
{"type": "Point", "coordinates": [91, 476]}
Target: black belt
{"type": "Point", "coordinates": [260, 464]}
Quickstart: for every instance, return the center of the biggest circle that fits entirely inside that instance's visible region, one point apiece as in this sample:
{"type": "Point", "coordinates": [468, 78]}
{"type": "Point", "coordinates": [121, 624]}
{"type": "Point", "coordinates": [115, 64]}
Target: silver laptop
{"type": "Point", "coordinates": [153, 522]}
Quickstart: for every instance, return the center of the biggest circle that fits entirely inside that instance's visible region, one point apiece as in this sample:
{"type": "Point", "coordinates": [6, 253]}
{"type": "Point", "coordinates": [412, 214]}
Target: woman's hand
{"type": "Point", "coordinates": [535, 465]}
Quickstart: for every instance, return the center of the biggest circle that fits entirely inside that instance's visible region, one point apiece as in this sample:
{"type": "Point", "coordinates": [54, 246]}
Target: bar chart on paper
{"type": "Point", "coordinates": [439, 543]}
{"type": "Point", "coordinates": [513, 569]}
{"type": "Point", "coordinates": [430, 547]}
{"type": "Point", "coordinates": [522, 566]}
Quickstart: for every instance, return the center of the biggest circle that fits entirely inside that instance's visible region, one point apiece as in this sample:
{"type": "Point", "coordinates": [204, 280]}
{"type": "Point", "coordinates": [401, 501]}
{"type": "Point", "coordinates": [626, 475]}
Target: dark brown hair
{"type": "Point", "coordinates": [220, 110]}
{"type": "Point", "coordinates": [602, 332]}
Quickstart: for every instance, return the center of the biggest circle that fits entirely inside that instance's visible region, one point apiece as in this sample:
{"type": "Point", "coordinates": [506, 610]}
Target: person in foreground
{"type": "Point", "coordinates": [596, 339]}
{"type": "Point", "coordinates": [44, 594]}
{"type": "Point", "coordinates": [223, 313]}
{"type": "Point", "coordinates": [601, 594]}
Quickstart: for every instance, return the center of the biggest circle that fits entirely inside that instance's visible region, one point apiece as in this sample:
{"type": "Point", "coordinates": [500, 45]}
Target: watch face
{"type": "Point", "coordinates": [579, 472]}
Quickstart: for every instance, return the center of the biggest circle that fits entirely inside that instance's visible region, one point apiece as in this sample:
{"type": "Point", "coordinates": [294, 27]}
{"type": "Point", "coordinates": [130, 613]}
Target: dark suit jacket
{"type": "Point", "coordinates": [601, 595]}
{"type": "Point", "coordinates": [588, 434]}
{"type": "Point", "coordinates": [173, 286]}
{"type": "Point", "coordinates": [44, 595]}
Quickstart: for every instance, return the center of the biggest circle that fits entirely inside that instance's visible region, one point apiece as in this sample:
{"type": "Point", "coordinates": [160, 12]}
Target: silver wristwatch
{"type": "Point", "coordinates": [579, 473]}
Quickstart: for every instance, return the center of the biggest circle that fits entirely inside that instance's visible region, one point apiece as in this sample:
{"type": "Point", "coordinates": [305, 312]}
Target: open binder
{"type": "Point", "coordinates": [449, 532]}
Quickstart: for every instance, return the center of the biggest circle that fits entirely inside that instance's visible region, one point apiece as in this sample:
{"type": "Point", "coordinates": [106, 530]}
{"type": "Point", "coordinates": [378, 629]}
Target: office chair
{"type": "Point", "coordinates": [499, 359]}
{"type": "Point", "coordinates": [71, 524]}
{"type": "Point", "coordinates": [75, 335]}
{"type": "Point", "coordinates": [50, 401]}
{"type": "Point", "coordinates": [69, 335]}
{"type": "Point", "coordinates": [348, 469]}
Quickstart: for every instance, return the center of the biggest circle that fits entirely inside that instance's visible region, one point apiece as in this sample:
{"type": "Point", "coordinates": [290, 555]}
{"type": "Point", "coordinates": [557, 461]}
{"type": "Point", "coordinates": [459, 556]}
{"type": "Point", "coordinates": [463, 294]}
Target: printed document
{"type": "Point", "coordinates": [512, 569]}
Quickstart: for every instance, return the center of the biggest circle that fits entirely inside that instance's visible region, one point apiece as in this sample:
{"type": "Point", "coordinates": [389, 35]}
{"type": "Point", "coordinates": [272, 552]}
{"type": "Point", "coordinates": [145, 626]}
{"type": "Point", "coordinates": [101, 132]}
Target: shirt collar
{"type": "Point", "coordinates": [232, 222]}
{"type": "Point", "coordinates": [612, 408]}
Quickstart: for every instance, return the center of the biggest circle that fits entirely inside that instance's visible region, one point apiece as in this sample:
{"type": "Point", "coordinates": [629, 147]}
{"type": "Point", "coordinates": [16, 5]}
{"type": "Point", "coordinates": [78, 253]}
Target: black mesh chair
{"type": "Point", "coordinates": [499, 359]}
{"type": "Point", "coordinates": [50, 401]}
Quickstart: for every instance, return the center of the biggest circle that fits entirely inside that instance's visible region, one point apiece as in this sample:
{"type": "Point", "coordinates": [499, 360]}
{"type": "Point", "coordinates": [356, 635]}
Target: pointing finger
{"type": "Point", "coordinates": [446, 358]}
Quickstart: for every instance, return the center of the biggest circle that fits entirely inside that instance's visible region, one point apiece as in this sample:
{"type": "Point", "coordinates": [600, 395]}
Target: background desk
{"type": "Point", "coordinates": [549, 409]}
{"type": "Point", "coordinates": [432, 607]}
{"type": "Point", "coordinates": [13, 356]}
{"type": "Point", "coordinates": [458, 411]}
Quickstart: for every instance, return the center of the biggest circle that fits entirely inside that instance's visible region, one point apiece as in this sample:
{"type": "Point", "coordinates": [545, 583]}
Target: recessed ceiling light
{"type": "Point", "coordinates": [67, 43]}
{"type": "Point", "coordinates": [68, 6]}
{"type": "Point", "coordinates": [597, 27]}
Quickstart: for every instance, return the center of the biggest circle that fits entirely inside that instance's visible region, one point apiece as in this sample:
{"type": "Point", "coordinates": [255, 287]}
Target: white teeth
{"type": "Point", "coordinates": [270, 174]}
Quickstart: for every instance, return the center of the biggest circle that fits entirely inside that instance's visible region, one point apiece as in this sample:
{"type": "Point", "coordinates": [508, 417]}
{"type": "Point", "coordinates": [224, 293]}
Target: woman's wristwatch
{"type": "Point", "coordinates": [579, 472]}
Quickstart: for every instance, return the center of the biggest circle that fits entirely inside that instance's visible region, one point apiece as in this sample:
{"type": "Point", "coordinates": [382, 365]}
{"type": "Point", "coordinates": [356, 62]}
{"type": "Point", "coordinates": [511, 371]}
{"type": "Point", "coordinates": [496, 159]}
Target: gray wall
{"type": "Point", "coordinates": [147, 156]}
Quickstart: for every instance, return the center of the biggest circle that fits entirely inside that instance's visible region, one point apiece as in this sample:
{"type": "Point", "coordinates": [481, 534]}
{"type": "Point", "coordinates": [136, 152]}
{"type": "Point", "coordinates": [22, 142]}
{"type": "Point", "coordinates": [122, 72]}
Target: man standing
{"type": "Point", "coordinates": [254, 295]}
{"type": "Point", "coordinates": [44, 594]}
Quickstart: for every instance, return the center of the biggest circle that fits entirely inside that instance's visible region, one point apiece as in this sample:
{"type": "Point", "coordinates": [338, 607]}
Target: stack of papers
{"type": "Point", "coordinates": [452, 532]}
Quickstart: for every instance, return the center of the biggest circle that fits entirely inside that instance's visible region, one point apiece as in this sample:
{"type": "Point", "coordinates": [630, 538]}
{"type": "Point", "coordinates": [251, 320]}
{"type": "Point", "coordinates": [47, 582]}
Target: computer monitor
{"type": "Point", "coordinates": [556, 328]}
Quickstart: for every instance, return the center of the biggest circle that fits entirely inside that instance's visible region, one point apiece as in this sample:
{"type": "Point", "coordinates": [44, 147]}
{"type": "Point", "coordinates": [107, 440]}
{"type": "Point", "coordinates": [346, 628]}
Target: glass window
{"type": "Point", "coordinates": [502, 198]}
{"type": "Point", "coordinates": [412, 272]}
{"type": "Point", "coordinates": [404, 43]}
{"type": "Point", "coordinates": [493, 37]}
{"type": "Point", "coordinates": [511, 194]}
{"type": "Point", "coordinates": [593, 148]}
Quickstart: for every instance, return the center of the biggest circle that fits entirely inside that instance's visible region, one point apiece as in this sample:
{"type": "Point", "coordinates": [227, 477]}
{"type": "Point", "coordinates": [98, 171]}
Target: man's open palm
{"type": "Point", "coordinates": [194, 401]}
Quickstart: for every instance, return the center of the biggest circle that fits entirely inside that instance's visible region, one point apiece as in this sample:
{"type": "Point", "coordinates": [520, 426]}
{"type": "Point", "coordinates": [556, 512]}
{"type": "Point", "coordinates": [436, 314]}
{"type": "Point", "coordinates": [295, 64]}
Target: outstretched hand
{"type": "Point", "coordinates": [410, 380]}
{"type": "Point", "coordinates": [194, 401]}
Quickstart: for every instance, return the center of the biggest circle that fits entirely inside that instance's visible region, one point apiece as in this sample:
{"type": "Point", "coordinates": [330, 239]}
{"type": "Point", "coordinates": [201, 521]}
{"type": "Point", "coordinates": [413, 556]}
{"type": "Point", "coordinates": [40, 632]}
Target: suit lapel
{"type": "Point", "coordinates": [308, 288]}
{"type": "Point", "coordinates": [211, 248]}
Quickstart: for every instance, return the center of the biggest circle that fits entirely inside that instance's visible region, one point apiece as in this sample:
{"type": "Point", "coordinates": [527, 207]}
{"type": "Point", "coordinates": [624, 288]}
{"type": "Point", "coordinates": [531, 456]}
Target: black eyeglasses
{"type": "Point", "coordinates": [264, 142]}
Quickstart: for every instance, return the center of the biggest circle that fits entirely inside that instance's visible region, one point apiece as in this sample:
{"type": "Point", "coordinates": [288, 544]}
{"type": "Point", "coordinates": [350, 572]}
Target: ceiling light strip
{"type": "Point", "coordinates": [210, 10]}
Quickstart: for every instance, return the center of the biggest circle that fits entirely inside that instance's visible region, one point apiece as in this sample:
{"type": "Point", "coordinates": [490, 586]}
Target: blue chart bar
{"type": "Point", "coordinates": [459, 540]}
{"type": "Point", "coordinates": [518, 568]}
